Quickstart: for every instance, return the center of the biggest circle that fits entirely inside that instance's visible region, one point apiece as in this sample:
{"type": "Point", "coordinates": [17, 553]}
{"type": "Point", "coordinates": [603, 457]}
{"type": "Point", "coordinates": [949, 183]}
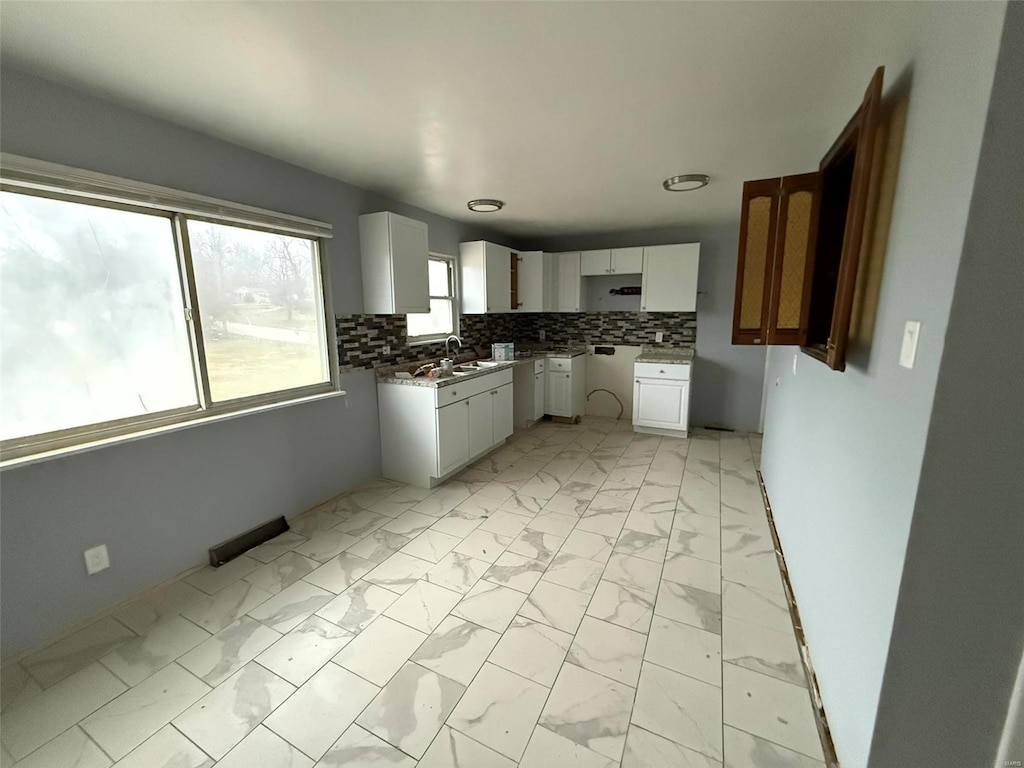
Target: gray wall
{"type": "Point", "coordinates": [726, 379]}
{"type": "Point", "coordinates": [843, 451]}
{"type": "Point", "coordinates": [159, 503]}
{"type": "Point", "coordinates": [959, 629]}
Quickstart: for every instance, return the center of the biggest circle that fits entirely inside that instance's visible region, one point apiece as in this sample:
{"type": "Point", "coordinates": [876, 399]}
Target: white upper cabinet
{"type": "Point", "coordinates": [394, 258]}
{"type": "Point", "coordinates": [568, 282]}
{"type": "Point", "coordinates": [614, 261]}
{"type": "Point", "coordinates": [595, 262]}
{"type": "Point", "coordinates": [532, 286]}
{"type": "Point", "coordinates": [627, 261]}
{"type": "Point", "coordinates": [669, 281]}
{"type": "Point", "coordinates": [486, 270]}
{"type": "Point", "coordinates": [551, 267]}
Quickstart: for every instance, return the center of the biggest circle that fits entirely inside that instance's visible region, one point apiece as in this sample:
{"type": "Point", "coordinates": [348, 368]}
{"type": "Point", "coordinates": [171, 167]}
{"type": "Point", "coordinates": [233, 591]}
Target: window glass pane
{"type": "Point", "coordinates": [261, 310]}
{"type": "Point", "coordinates": [92, 324]}
{"type": "Point", "coordinates": [438, 278]}
{"type": "Point", "coordinates": [434, 323]}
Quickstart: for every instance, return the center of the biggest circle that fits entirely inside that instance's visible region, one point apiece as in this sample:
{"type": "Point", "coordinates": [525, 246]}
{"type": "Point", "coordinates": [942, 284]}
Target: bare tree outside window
{"type": "Point", "coordinates": [260, 306]}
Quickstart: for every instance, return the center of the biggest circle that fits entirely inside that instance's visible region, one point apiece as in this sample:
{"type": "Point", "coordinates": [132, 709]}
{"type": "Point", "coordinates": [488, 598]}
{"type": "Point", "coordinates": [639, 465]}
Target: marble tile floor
{"type": "Point", "coordinates": [582, 597]}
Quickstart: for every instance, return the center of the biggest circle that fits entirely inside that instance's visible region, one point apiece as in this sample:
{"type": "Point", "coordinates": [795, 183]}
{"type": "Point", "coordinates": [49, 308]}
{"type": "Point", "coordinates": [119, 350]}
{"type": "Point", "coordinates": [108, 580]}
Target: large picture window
{"type": "Point", "coordinates": [116, 317]}
{"type": "Point", "coordinates": [442, 319]}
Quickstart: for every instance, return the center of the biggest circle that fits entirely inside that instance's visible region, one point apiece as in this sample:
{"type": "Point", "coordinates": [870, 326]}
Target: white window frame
{"type": "Point", "coordinates": [36, 177]}
{"type": "Point", "coordinates": [453, 274]}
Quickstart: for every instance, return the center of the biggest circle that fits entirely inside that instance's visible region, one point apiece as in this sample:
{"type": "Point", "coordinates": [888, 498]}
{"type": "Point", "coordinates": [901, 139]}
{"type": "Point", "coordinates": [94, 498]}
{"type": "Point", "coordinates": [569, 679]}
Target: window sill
{"type": "Point", "coordinates": [424, 342]}
{"type": "Point", "coordinates": [59, 453]}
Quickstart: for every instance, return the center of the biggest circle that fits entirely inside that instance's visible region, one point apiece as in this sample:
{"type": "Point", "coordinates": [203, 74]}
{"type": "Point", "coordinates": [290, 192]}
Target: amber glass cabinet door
{"type": "Point", "coordinates": [794, 255]}
{"type": "Point", "coordinates": [758, 220]}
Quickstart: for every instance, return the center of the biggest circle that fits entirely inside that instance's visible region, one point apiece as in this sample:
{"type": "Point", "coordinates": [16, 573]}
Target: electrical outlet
{"type": "Point", "coordinates": [543, 334]}
{"type": "Point", "coordinates": [659, 337]}
{"type": "Point", "coordinates": [97, 559]}
{"type": "Point", "coordinates": [386, 349]}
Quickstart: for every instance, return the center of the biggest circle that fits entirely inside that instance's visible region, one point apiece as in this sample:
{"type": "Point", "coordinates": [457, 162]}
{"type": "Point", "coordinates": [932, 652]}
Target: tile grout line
{"type": "Point", "coordinates": [721, 592]}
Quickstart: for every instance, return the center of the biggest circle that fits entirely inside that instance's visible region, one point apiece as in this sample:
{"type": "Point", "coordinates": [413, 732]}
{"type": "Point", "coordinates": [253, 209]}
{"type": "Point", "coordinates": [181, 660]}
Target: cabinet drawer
{"type": "Point", "coordinates": [675, 372]}
{"type": "Point", "coordinates": [538, 365]}
{"type": "Point", "coordinates": [460, 390]}
{"type": "Point", "coordinates": [559, 364]}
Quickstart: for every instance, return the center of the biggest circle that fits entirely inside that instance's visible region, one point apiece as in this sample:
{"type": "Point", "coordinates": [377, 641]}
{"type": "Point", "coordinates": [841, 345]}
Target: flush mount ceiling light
{"type": "Point", "coordinates": [686, 183]}
{"type": "Point", "coordinates": [485, 205]}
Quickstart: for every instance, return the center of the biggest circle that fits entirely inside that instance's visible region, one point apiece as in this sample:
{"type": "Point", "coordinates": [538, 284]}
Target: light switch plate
{"type": "Point", "coordinates": [908, 352]}
{"type": "Point", "coordinates": [659, 337]}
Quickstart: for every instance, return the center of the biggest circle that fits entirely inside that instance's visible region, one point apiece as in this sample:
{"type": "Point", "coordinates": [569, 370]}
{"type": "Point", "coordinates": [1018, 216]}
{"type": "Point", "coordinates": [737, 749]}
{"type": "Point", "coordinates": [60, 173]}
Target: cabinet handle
{"type": "Point", "coordinates": [494, 393]}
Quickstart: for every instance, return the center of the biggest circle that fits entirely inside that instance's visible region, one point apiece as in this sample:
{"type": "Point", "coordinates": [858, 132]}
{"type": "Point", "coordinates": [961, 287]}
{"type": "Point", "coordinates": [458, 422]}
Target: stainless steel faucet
{"type": "Point", "coordinates": [447, 344]}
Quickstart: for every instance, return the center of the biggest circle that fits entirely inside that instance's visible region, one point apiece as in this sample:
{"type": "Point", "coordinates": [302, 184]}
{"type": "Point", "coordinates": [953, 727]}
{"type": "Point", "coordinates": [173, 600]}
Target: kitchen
{"type": "Point", "coordinates": [551, 545]}
{"type": "Point", "coordinates": [560, 350]}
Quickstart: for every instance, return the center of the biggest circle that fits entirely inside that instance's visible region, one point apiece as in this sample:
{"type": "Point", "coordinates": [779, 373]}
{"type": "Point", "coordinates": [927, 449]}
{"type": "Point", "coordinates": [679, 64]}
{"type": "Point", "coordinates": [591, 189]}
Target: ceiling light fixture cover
{"type": "Point", "coordinates": [686, 183]}
{"type": "Point", "coordinates": [485, 205]}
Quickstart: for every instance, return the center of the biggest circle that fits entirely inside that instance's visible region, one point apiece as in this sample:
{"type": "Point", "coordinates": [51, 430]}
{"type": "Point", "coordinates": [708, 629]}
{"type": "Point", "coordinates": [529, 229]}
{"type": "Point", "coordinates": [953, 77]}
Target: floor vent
{"type": "Point", "coordinates": [824, 732]}
{"type": "Point", "coordinates": [232, 548]}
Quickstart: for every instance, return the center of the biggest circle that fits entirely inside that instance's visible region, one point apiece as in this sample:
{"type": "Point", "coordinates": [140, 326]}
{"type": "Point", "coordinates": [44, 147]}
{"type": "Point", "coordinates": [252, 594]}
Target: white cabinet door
{"type": "Point", "coordinates": [558, 397]}
{"type": "Point", "coordinates": [660, 403]}
{"type": "Point", "coordinates": [531, 281]}
{"type": "Point", "coordinates": [501, 420]}
{"type": "Point", "coordinates": [452, 437]}
{"type": "Point", "coordinates": [538, 396]}
{"type": "Point", "coordinates": [498, 276]}
{"type": "Point", "coordinates": [481, 423]}
{"type": "Point", "coordinates": [409, 269]}
{"type": "Point", "coordinates": [595, 262]}
{"type": "Point", "coordinates": [569, 282]}
{"type": "Point", "coordinates": [551, 292]}
{"type": "Point", "coordinates": [669, 281]}
{"type": "Point", "coordinates": [627, 261]}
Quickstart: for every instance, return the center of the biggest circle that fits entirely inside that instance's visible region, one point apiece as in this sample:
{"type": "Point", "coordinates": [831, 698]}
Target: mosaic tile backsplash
{"type": "Point", "coordinates": [361, 338]}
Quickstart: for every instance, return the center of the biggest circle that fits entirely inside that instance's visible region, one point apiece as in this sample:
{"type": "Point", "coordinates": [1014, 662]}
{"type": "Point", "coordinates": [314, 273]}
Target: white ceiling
{"type": "Point", "coordinates": [573, 113]}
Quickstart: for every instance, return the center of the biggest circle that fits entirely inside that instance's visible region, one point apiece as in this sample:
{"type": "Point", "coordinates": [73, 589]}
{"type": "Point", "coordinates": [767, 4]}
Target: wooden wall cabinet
{"type": "Point", "coordinates": [800, 243]}
{"type": "Point", "coordinates": [777, 236]}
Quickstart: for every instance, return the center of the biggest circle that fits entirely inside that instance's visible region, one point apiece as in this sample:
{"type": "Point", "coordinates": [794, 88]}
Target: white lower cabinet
{"type": "Point", "coordinates": [481, 422]}
{"type": "Point", "coordinates": [429, 433]}
{"type": "Point", "coordinates": [558, 397]}
{"type": "Point", "coordinates": [528, 392]}
{"type": "Point", "coordinates": [501, 413]}
{"type": "Point", "coordinates": [538, 395]}
{"type": "Point", "coordinates": [661, 399]}
{"type": "Point", "coordinates": [565, 386]}
{"type": "Point", "coordinates": [452, 437]}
